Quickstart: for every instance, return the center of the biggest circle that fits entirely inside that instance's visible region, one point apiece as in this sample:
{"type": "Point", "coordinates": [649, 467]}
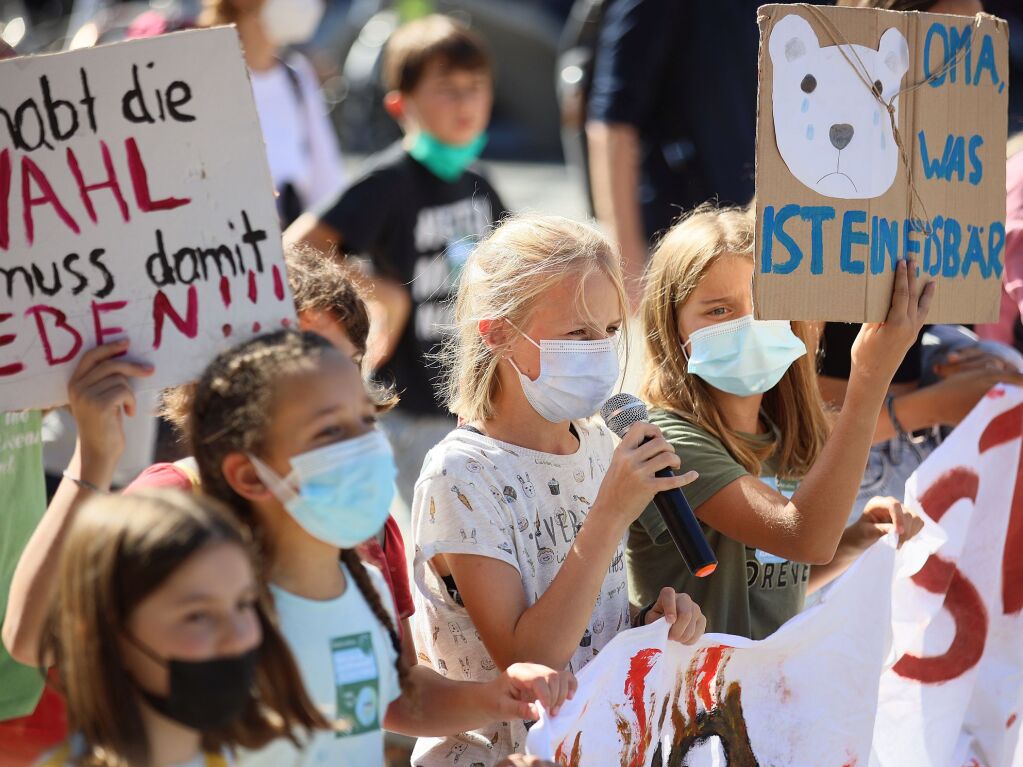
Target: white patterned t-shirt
{"type": "Point", "coordinates": [479, 496]}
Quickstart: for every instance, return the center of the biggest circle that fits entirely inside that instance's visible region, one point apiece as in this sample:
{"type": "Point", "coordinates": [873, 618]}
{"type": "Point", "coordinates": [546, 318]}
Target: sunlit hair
{"type": "Point", "coordinates": [794, 405]}
{"type": "Point", "coordinates": [119, 550]}
{"type": "Point", "coordinates": [323, 284]}
{"type": "Point", "coordinates": [505, 276]}
{"type": "Point", "coordinates": [234, 406]}
{"type": "Point", "coordinates": [318, 283]}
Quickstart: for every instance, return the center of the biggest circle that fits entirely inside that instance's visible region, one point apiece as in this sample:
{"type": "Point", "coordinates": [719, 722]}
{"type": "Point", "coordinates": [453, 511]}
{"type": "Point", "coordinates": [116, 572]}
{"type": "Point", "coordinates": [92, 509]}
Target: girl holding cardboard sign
{"type": "Point", "coordinates": [738, 398]}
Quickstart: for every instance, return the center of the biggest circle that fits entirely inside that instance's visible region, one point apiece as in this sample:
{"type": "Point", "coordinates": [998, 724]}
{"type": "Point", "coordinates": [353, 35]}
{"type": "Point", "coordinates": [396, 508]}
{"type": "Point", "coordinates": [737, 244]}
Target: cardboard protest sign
{"type": "Point", "coordinates": [880, 135]}
{"type": "Point", "coordinates": [135, 200]}
{"type": "Point", "coordinates": [912, 658]}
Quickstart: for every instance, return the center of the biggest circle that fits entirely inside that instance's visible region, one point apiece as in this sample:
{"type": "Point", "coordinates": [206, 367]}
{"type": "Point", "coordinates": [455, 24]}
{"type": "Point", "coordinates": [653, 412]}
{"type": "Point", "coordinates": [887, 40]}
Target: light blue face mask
{"type": "Point", "coordinates": [340, 493]}
{"type": "Point", "coordinates": [744, 356]}
{"type": "Point", "coordinates": [446, 161]}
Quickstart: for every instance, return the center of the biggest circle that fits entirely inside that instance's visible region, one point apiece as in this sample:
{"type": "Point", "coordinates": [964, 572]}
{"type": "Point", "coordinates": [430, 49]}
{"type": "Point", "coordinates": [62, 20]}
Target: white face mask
{"type": "Point", "coordinates": [576, 377]}
{"type": "Point", "coordinates": [289, 22]}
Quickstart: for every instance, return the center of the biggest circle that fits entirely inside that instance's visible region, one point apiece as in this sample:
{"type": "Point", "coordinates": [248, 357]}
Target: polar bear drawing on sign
{"type": "Point", "coordinates": [831, 131]}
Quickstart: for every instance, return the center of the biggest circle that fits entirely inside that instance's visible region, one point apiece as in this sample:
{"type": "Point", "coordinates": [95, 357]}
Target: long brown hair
{"type": "Point", "coordinates": [794, 405]}
{"type": "Point", "coordinates": [233, 407]}
{"type": "Point", "coordinates": [119, 550]}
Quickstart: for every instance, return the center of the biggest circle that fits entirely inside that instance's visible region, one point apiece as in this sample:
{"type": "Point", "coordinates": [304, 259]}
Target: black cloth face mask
{"type": "Point", "coordinates": [203, 695]}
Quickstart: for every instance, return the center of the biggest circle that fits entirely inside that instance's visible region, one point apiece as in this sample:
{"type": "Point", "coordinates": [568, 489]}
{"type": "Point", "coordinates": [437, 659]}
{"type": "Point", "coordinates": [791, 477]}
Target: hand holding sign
{"type": "Point", "coordinates": [880, 347]}
{"type": "Point", "coordinates": [100, 394]}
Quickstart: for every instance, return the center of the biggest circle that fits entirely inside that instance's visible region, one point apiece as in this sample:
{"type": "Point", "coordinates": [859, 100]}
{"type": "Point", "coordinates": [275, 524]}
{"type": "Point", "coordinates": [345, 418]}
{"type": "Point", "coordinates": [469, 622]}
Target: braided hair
{"type": "Point", "coordinates": [232, 407]}
{"type": "Point", "coordinates": [372, 596]}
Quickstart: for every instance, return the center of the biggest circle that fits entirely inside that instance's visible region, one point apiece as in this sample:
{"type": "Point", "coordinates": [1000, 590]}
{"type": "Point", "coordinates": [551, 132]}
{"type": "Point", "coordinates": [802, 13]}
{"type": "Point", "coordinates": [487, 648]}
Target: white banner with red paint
{"type": "Point", "coordinates": [135, 201]}
{"type": "Point", "coordinates": [955, 695]}
{"type": "Point", "coordinates": [914, 657]}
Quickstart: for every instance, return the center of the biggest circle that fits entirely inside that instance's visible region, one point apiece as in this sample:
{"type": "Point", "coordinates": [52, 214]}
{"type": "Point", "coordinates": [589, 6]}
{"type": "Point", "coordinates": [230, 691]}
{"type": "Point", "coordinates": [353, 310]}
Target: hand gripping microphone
{"type": "Point", "coordinates": [619, 413]}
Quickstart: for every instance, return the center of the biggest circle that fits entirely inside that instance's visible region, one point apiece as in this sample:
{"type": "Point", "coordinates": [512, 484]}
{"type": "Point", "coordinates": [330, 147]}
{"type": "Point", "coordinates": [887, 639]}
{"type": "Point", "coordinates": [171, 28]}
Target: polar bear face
{"type": "Point", "coordinates": [831, 131]}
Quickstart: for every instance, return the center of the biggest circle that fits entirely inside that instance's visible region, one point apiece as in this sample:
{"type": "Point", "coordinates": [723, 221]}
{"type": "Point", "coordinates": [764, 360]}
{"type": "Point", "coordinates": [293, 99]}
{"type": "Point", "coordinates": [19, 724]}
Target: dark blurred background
{"type": "Point", "coordinates": [539, 47]}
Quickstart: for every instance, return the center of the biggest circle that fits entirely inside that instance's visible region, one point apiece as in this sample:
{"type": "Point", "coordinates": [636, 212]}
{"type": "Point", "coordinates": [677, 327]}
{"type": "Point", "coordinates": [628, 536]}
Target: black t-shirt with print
{"type": "Point", "coordinates": [418, 230]}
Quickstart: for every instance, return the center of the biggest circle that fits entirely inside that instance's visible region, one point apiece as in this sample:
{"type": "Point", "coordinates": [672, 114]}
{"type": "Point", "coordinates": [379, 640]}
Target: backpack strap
{"type": "Point", "coordinates": [293, 80]}
{"type": "Point", "coordinates": [299, 94]}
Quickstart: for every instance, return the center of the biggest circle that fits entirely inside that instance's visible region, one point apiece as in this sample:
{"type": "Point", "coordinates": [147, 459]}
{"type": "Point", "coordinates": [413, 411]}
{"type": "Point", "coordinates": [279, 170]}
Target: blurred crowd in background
{"type": "Point", "coordinates": [541, 48]}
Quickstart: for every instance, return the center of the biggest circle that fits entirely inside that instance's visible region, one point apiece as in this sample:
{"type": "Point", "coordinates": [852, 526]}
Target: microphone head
{"type": "Point", "coordinates": [621, 411]}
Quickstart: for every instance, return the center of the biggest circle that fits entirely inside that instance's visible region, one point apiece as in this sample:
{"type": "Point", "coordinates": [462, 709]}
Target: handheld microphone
{"type": "Point", "coordinates": [619, 413]}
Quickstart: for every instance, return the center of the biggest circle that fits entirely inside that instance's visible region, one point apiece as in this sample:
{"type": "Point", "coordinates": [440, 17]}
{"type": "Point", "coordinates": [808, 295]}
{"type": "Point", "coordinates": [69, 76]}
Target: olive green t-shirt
{"type": "Point", "coordinates": [751, 593]}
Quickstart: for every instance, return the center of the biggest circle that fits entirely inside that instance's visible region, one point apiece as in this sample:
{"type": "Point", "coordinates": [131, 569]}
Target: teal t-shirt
{"type": "Point", "coordinates": [23, 494]}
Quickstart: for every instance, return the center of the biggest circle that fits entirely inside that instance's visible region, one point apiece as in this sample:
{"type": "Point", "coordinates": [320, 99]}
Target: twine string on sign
{"type": "Point", "coordinates": [838, 39]}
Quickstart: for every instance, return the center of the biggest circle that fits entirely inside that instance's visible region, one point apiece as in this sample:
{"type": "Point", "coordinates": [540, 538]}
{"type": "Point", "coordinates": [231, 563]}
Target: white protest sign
{"type": "Point", "coordinates": [914, 658]}
{"type": "Point", "coordinates": [135, 201]}
{"type": "Point", "coordinates": [956, 693]}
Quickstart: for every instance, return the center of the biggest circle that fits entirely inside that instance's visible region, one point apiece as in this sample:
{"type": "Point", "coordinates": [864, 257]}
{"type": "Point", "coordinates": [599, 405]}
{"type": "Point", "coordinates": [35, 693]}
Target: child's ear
{"type": "Point", "coordinates": [241, 475]}
{"type": "Point", "coordinates": [394, 104]}
{"type": "Point", "coordinates": [495, 333]}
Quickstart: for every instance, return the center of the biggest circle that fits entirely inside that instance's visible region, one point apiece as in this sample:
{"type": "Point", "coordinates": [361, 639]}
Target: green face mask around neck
{"type": "Point", "coordinates": [446, 161]}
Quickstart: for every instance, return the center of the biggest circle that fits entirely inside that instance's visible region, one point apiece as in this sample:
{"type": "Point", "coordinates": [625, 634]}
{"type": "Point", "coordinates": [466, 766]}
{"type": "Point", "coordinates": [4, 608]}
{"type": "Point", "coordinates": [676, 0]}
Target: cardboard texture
{"type": "Point", "coordinates": [836, 204]}
{"type": "Point", "coordinates": [135, 200]}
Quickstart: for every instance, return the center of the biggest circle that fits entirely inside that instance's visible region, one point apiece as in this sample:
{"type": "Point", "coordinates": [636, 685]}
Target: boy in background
{"type": "Point", "coordinates": [414, 216]}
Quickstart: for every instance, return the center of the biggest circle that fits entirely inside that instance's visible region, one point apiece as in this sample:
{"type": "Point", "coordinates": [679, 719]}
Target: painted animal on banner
{"type": "Point", "coordinates": [734, 702]}
{"type": "Point", "coordinates": [831, 131]}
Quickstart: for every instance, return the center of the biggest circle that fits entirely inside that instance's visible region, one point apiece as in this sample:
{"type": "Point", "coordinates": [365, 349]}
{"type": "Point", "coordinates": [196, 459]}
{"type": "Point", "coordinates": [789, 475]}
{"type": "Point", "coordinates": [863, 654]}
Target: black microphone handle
{"type": "Point", "coordinates": [685, 530]}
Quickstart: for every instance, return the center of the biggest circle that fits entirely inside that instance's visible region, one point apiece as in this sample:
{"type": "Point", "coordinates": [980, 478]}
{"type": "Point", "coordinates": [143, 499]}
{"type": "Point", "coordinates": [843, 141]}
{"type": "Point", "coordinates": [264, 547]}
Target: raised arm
{"type": "Point", "coordinates": [944, 403]}
{"type": "Point", "coordinates": [808, 527]}
{"type": "Point", "coordinates": [310, 231]}
{"type": "Point", "coordinates": [99, 393]}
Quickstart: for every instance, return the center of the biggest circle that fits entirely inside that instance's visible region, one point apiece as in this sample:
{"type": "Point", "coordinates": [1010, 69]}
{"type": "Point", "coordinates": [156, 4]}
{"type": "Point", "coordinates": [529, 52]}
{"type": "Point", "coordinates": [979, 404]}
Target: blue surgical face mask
{"type": "Point", "coordinates": [446, 161]}
{"type": "Point", "coordinates": [340, 493]}
{"type": "Point", "coordinates": [744, 356]}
